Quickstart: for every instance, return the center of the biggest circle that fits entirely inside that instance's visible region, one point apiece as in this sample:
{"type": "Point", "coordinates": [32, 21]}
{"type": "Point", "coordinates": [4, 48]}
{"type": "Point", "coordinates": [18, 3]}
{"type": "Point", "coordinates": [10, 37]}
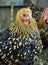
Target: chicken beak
{"type": "Point", "coordinates": [29, 18]}
{"type": "Point", "coordinates": [46, 19]}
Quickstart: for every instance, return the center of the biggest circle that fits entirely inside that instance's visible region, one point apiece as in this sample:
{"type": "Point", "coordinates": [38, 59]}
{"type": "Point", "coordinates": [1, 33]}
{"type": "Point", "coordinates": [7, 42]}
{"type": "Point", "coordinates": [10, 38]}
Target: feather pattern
{"type": "Point", "coordinates": [20, 44]}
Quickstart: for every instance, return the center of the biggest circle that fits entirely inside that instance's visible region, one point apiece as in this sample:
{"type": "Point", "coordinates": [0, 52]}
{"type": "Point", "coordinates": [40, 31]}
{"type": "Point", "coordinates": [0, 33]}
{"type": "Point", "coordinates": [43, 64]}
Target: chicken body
{"type": "Point", "coordinates": [20, 43]}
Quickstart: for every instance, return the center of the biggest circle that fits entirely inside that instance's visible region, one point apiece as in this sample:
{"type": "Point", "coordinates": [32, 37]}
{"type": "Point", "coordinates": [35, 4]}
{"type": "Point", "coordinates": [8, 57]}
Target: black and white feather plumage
{"type": "Point", "coordinates": [20, 49]}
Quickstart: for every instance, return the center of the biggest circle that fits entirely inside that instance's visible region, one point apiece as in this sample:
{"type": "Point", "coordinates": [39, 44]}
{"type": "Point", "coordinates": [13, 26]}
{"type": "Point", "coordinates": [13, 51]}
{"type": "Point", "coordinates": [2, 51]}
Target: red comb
{"type": "Point", "coordinates": [46, 15]}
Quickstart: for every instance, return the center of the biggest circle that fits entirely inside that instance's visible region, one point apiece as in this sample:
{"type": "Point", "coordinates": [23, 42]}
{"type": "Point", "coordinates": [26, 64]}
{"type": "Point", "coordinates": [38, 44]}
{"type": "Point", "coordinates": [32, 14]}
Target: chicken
{"type": "Point", "coordinates": [43, 26]}
{"type": "Point", "coordinates": [20, 43]}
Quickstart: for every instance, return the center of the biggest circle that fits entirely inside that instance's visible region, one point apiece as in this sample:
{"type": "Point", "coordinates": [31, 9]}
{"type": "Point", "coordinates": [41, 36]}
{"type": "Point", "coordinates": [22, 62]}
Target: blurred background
{"type": "Point", "coordinates": [8, 9]}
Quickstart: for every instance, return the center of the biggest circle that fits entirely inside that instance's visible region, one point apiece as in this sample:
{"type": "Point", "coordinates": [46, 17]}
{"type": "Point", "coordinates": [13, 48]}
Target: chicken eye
{"type": "Point", "coordinates": [24, 15]}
